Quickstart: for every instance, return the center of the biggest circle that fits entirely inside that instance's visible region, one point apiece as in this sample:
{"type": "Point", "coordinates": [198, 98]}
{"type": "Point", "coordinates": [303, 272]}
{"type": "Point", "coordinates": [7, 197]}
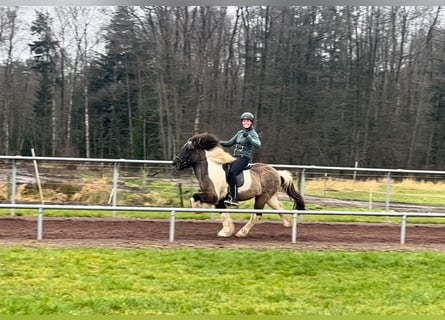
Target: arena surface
{"type": "Point", "coordinates": [132, 233]}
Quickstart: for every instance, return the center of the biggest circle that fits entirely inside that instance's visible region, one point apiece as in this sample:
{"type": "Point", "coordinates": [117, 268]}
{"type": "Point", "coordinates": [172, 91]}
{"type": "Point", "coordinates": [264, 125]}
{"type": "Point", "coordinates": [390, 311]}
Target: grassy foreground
{"type": "Point", "coordinates": [87, 281]}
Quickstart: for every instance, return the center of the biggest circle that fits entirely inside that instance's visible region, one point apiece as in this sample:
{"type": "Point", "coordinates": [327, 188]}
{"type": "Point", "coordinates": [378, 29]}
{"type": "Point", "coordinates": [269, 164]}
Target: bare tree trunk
{"type": "Point", "coordinates": [162, 112]}
{"type": "Point", "coordinates": [421, 104]}
{"type": "Point", "coordinates": [53, 120]}
{"type": "Point", "coordinates": [229, 70]}
{"type": "Point", "coordinates": [200, 71]}
{"type": "Point", "coordinates": [248, 57]}
{"type": "Point", "coordinates": [8, 90]}
{"type": "Point", "coordinates": [3, 98]}
{"type": "Point", "coordinates": [130, 112]}
{"type": "Point", "coordinates": [264, 56]}
{"type": "Point", "coordinates": [198, 110]}
{"type": "Point", "coordinates": [62, 112]}
{"type": "Point", "coordinates": [87, 120]}
{"type": "Point", "coordinates": [70, 108]}
{"type": "Point", "coordinates": [78, 20]}
{"type": "Point", "coordinates": [142, 110]}
{"type": "Point", "coordinates": [369, 102]}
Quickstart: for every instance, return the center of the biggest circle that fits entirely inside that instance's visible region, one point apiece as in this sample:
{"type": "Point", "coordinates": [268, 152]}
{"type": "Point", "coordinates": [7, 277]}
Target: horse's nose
{"type": "Point", "coordinates": [176, 163]}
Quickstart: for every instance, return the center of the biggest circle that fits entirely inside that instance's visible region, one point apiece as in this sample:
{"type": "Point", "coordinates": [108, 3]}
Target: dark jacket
{"type": "Point", "coordinates": [244, 145]}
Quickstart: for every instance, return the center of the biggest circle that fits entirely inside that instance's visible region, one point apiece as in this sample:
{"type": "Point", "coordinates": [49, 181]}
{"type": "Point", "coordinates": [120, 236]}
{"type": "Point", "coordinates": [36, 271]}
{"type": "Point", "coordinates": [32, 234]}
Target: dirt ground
{"type": "Point", "coordinates": [123, 233]}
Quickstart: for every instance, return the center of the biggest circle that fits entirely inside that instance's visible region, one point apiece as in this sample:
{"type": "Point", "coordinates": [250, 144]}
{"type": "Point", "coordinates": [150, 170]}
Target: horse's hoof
{"type": "Point", "coordinates": [224, 234]}
{"type": "Point", "coordinates": [287, 224]}
{"type": "Point", "coordinates": [241, 234]}
{"type": "Point", "coordinates": [195, 204]}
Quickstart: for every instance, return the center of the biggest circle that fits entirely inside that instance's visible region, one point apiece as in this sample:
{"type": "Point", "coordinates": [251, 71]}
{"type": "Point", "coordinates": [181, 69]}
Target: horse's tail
{"type": "Point", "coordinates": [288, 185]}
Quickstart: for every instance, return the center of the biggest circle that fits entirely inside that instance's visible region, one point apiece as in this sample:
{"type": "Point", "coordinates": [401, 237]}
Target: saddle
{"type": "Point", "coordinates": [239, 177]}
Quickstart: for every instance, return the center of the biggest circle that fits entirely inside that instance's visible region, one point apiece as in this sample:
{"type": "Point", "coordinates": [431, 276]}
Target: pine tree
{"type": "Point", "coordinates": [45, 64]}
{"type": "Point", "coordinates": [114, 89]}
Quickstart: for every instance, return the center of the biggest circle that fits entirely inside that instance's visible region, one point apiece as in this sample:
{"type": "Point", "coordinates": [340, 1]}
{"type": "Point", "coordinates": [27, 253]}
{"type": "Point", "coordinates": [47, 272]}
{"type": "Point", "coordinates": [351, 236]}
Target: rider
{"type": "Point", "coordinates": [245, 140]}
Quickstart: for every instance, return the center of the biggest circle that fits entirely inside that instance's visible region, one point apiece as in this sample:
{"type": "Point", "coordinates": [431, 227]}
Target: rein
{"type": "Point", "coordinates": [186, 163]}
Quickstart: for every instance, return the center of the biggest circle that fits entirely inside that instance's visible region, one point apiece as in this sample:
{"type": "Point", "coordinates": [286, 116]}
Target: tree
{"type": "Point", "coordinates": [114, 88]}
{"type": "Point", "coordinates": [44, 50]}
{"type": "Point", "coordinates": [8, 28]}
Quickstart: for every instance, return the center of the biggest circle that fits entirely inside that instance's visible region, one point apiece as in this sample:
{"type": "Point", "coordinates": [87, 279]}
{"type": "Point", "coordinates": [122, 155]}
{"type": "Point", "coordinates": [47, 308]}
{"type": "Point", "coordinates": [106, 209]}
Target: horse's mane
{"type": "Point", "coordinates": [210, 143]}
{"type": "Point", "coordinates": [220, 156]}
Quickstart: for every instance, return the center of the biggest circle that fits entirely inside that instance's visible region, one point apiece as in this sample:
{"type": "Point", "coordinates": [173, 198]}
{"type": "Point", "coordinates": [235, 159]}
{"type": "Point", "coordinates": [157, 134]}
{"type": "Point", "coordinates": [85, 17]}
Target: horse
{"type": "Point", "coordinates": [204, 153]}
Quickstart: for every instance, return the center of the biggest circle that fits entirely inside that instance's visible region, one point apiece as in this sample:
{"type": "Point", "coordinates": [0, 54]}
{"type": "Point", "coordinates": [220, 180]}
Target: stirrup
{"type": "Point", "coordinates": [231, 202]}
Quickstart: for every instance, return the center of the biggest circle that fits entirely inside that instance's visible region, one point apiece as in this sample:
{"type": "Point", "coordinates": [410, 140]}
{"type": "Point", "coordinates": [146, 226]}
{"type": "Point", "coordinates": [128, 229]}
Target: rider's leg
{"type": "Point", "coordinates": [237, 166]}
{"type": "Point", "coordinates": [232, 196]}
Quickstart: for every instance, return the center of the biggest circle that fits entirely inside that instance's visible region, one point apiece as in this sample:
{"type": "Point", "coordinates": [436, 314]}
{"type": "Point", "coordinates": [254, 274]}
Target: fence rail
{"type": "Point", "coordinates": [295, 213]}
{"type": "Point", "coordinates": [303, 169]}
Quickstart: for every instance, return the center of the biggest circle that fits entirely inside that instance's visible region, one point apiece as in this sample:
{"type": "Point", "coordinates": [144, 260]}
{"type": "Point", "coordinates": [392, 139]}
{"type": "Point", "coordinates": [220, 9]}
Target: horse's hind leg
{"type": "Point", "coordinates": [275, 204]}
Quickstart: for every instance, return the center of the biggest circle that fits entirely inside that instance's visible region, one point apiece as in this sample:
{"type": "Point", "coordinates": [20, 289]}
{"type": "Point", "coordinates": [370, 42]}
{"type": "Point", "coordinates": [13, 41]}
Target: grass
{"type": "Point", "coordinates": [408, 191]}
{"type": "Point", "coordinates": [44, 281]}
{"type": "Point", "coordinates": [99, 281]}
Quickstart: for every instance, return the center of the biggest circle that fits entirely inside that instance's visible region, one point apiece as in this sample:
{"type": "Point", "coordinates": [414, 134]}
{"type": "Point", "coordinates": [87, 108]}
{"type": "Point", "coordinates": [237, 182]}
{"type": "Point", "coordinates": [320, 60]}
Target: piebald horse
{"type": "Point", "coordinates": [204, 153]}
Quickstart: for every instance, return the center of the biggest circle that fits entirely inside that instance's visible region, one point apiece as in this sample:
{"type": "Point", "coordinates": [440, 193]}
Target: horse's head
{"type": "Point", "coordinates": [193, 150]}
{"type": "Point", "coordinates": [185, 157]}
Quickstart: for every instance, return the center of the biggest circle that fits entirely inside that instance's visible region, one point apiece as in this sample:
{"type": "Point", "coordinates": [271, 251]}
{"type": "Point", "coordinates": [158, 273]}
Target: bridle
{"type": "Point", "coordinates": [186, 163]}
{"type": "Point", "coordinates": [183, 163]}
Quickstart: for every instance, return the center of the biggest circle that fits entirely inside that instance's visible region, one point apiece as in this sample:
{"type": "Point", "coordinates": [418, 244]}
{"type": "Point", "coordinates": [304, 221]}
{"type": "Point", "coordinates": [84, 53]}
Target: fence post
{"type": "Point", "coordinates": [403, 230]}
{"type": "Point", "coordinates": [181, 197]}
{"type": "Point", "coordinates": [172, 226]}
{"type": "Point", "coordinates": [114, 192]}
{"type": "Point", "coordinates": [302, 181]}
{"type": "Point", "coordinates": [294, 227]}
{"type": "Point", "coordinates": [13, 185]}
{"type": "Point", "coordinates": [388, 191]}
{"type": "Point", "coordinates": [40, 224]}
{"type": "Point", "coordinates": [388, 195]}
{"type": "Point", "coordinates": [302, 187]}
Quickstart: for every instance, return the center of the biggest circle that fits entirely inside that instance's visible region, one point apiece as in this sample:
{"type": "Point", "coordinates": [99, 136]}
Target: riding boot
{"type": "Point", "coordinates": [232, 196]}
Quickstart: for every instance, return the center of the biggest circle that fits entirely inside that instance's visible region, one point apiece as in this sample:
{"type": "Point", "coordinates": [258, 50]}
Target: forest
{"type": "Point", "coordinates": [329, 85]}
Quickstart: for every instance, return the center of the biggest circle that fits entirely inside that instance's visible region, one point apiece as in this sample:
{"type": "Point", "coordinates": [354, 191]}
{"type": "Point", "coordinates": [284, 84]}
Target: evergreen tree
{"type": "Point", "coordinates": [114, 89]}
{"type": "Point", "coordinates": [45, 62]}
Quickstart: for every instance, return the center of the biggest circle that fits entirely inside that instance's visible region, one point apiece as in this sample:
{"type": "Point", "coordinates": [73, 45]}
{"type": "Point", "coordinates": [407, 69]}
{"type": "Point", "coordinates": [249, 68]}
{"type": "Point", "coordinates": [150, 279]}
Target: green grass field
{"type": "Point", "coordinates": [407, 191]}
{"type": "Point", "coordinates": [55, 281]}
{"type": "Point", "coordinates": [97, 281]}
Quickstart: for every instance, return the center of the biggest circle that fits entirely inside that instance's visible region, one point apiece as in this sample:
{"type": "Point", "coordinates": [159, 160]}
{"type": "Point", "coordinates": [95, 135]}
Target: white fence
{"type": "Point", "coordinates": [295, 213]}
{"type": "Point", "coordinates": [15, 161]}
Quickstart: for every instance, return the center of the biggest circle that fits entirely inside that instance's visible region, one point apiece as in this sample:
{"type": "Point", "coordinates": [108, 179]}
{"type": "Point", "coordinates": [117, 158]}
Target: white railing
{"type": "Point", "coordinates": [295, 213]}
{"type": "Point", "coordinates": [303, 170]}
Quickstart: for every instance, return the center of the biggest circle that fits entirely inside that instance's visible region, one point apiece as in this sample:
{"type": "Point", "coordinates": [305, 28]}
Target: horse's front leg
{"type": "Point", "coordinates": [228, 228]}
{"type": "Point", "coordinates": [198, 200]}
{"type": "Point", "coordinates": [203, 200]}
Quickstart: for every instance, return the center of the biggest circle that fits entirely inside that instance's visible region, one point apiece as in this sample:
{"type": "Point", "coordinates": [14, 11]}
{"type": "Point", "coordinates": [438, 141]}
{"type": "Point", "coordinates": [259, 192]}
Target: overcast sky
{"type": "Point", "coordinates": [26, 15]}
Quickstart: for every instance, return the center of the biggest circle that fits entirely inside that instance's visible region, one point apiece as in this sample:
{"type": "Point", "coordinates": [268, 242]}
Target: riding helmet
{"type": "Point", "coordinates": [248, 116]}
